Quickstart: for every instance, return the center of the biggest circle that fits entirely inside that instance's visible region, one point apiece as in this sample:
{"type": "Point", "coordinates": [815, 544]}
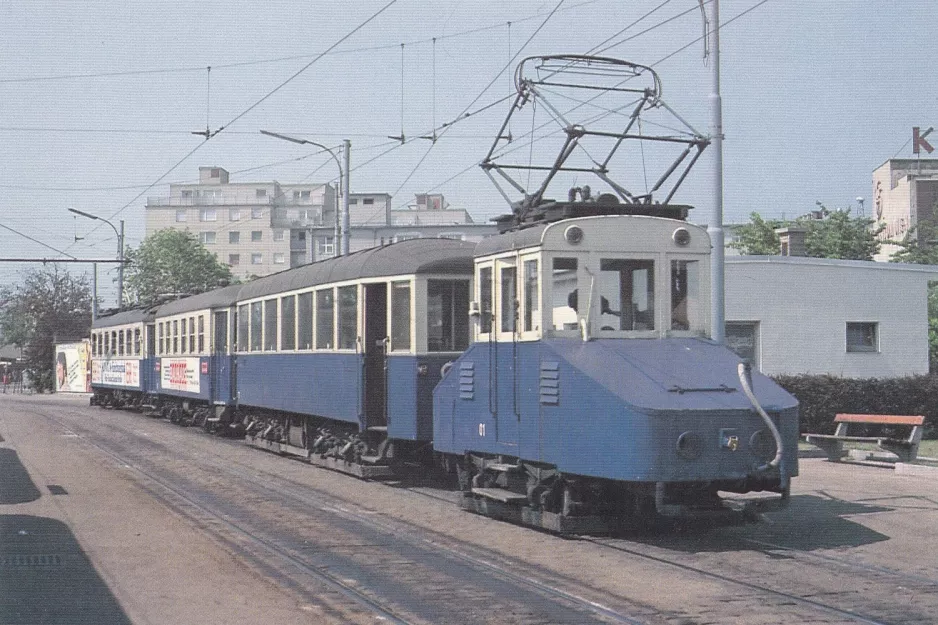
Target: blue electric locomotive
{"type": "Point", "coordinates": [590, 393]}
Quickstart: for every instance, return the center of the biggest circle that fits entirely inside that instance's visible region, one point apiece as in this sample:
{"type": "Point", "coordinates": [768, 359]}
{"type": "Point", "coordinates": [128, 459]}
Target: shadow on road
{"type": "Point", "coordinates": [15, 484]}
{"type": "Point", "coordinates": [46, 578]}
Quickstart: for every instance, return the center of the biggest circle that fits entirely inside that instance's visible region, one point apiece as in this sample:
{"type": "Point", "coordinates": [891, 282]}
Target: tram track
{"type": "Point", "coordinates": [305, 495]}
{"type": "Point", "coordinates": [569, 606]}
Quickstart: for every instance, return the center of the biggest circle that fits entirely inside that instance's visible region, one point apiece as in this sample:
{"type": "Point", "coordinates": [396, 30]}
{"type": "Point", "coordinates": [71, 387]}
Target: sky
{"type": "Point", "coordinates": [98, 99]}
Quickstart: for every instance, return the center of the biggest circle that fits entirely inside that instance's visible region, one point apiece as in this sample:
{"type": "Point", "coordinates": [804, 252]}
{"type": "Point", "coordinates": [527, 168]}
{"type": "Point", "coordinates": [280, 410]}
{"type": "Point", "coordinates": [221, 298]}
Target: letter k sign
{"type": "Point", "coordinates": [918, 140]}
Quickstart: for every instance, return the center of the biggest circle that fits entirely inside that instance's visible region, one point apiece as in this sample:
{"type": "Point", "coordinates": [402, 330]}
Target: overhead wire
{"type": "Point", "coordinates": [481, 93]}
{"type": "Point", "coordinates": [252, 107]}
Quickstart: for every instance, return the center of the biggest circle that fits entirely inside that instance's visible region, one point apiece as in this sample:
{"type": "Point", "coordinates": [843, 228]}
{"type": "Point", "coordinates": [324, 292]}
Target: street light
{"type": "Point", "coordinates": [120, 253]}
{"type": "Point", "coordinates": [343, 184]}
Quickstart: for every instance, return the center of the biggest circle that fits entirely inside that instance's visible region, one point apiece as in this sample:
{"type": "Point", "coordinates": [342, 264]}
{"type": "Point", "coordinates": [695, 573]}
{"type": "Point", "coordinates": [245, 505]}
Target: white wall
{"type": "Point", "coordinates": [803, 304]}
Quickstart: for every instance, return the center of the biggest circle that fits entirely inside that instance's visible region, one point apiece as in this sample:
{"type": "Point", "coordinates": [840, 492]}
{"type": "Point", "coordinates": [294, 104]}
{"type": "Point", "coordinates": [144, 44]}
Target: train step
{"type": "Point", "coordinates": [500, 494]}
{"type": "Point", "coordinates": [503, 467]}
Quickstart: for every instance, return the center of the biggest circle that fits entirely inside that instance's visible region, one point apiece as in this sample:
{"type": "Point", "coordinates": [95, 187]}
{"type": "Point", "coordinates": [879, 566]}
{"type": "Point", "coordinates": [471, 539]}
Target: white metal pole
{"type": "Point", "coordinates": [715, 224]}
{"type": "Point", "coordinates": [345, 191]}
{"type": "Point", "coordinates": [120, 268]}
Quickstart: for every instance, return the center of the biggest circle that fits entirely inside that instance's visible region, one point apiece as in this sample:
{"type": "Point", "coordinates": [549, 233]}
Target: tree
{"type": "Point", "coordinates": [920, 246]}
{"type": "Point", "coordinates": [838, 235]}
{"type": "Point", "coordinates": [171, 263]}
{"type": "Point", "coordinates": [758, 238]}
{"type": "Point", "coordinates": [50, 306]}
{"type": "Point", "coordinates": [830, 234]}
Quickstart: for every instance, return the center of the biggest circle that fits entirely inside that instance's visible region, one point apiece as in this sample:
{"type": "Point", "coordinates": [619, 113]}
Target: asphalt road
{"type": "Point", "coordinates": [111, 517]}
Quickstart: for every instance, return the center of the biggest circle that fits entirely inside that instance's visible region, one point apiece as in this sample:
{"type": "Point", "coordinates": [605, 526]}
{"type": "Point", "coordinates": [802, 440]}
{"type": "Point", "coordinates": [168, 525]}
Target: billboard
{"type": "Point", "coordinates": [180, 374]}
{"type": "Point", "coordinates": [72, 367]}
{"type": "Point", "coordinates": [116, 372]}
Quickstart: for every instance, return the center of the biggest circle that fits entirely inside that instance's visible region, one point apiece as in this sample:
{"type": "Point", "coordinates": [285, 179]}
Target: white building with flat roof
{"type": "Point", "coordinates": [905, 191]}
{"type": "Point", "coordinates": [854, 319]}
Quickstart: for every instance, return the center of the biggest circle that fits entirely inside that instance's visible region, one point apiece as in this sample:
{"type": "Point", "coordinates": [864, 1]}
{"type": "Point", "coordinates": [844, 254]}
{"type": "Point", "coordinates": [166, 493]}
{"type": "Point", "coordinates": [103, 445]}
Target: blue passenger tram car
{"type": "Point", "coordinates": [122, 353]}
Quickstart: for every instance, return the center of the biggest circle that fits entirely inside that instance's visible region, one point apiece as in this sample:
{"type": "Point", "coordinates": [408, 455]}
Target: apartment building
{"type": "Point", "coordinates": [257, 228]}
{"type": "Point", "coordinates": [905, 191]}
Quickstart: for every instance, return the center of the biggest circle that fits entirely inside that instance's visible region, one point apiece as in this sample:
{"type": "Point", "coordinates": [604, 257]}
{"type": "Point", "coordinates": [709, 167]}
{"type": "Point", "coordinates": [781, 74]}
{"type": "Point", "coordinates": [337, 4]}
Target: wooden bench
{"type": "Point", "coordinates": [905, 448]}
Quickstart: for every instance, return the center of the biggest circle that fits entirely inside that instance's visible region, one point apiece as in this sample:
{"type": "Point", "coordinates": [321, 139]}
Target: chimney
{"type": "Point", "coordinates": [792, 241]}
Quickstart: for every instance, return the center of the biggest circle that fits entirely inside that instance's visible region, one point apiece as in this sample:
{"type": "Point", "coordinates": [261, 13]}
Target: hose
{"type": "Point", "coordinates": [745, 378]}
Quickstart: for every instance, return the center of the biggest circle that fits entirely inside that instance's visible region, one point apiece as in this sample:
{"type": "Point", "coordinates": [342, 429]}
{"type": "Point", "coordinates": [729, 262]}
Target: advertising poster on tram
{"type": "Point", "coordinates": [180, 374]}
{"type": "Point", "coordinates": [116, 372]}
{"type": "Point", "coordinates": [72, 366]}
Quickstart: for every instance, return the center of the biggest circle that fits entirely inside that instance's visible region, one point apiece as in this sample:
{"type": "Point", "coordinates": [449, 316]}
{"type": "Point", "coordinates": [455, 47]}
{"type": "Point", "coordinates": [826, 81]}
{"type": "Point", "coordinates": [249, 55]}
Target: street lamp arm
{"type": "Point", "coordinates": [277, 135]}
{"type": "Point", "coordinates": [95, 217]}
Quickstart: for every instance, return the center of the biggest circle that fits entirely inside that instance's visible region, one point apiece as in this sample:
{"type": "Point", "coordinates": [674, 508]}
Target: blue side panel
{"type": "Point", "coordinates": [611, 408]}
{"type": "Point", "coordinates": [222, 373]}
{"type": "Point", "coordinates": [411, 380]}
{"type": "Point", "coordinates": [327, 385]}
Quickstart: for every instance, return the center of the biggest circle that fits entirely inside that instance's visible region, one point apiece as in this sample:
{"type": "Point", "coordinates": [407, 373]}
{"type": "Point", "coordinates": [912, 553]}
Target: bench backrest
{"type": "Point", "coordinates": [880, 419]}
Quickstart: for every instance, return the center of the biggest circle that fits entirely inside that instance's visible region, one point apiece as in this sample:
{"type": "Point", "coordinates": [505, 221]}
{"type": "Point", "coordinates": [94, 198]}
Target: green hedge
{"type": "Point", "coordinates": [823, 396]}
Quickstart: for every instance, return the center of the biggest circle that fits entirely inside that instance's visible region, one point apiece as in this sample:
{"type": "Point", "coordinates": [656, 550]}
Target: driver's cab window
{"type": "Point", "coordinates": [626, 294]}
{"type": "Point", "coordinates": [565, 294]}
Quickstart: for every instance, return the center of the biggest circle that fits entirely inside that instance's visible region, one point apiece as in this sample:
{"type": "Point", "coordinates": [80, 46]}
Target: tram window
{"type": "Point", "coordinates": [244, 319]}
{"type": "Point", "coordinates": [159, 332]}
{"type": "Point", "coordinates": [627, 294]}
{"type": "Point", "coordinates": [325, 319]}
{"type": "Point", "coordinates": [136, 341]}
{"type": "Point", "coordinates": [288, 323]}
{"type": "Point", "coordinates": [182, 335]}
{"type": "Point", "coordinates": [565, 293]}
{"type": "Point", "coordinates": [400, 316]}
{"type": "Point", "coordinates": [107, 343]}
{"type": "Point", "coordinates": [175, 338]}
{"type": "Point", "coordinates": [685, 294]}
{"type": "Point", "coordinates": [191, 335]}
{"type": "Point", "coordinates": [270, 325]}
{"type": "Point", "coordinates": [120, 343]}
{"type": "Point", "coordinates": [485, 300]}
{"type": "Point", "coordinates": [530, 294]}
{"type": "Point", "coordinates": [257, 326]}
{"type": "Point", "coordinates": [305, 320]}
{"type": "Point", "coordinates": [201, 334]}
{"type": "Point", "coordinates": [509, 299]}
{"type": "Point", "coordinates": [348, 316]}
{"type": "Point", "coordinates": [447, 315]}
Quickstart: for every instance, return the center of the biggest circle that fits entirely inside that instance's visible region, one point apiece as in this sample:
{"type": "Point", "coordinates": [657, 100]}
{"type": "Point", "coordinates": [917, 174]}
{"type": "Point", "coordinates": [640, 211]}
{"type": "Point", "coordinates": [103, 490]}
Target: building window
{"type": "Point", "coordinates": [181, 214]}
{"type": "Point", "coordinates": [862, 336]}
{"type": "Point", "coordinates": [325, 246]}
{"type": "Point", "coordinates": [352, 202]}
{"type": "Point", "coordinates": [458, 236]}
{"type": "Point", "coordinates": [234, 259]}
{"type": "Point", "coordinates": [278, 235]}
{"type": "Point", "coordinates": [211, 196]}
{"type": "Point", "coordinates": [234, 214]}
{"type": "Point", "coordinates": [234, 236]}
{"type": "Point", "coordinates": [257, 259]}
{"type": "Point", "coordinates": [257, 212]}
{"type": "Point", "coordinates": [279, 258]}
{"type": "Point", "coordinates": [208, 214]}
{"type": "Point", "coordinates": [260, 193]}
{"type": "Point", "coordinates": [368, 200]}
{"type": "Point", "coordinates": [206, 238]}
{"type": "Point", "coordinates": [257, 236]}
{"type": "Point", "coordinates": [187, 195]}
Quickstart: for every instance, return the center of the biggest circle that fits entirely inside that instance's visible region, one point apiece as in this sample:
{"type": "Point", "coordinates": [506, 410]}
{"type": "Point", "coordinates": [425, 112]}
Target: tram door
{"type": "Point", "coordinates": [222, 372]}
{"type": "Point", "coordinates": [376, 345]}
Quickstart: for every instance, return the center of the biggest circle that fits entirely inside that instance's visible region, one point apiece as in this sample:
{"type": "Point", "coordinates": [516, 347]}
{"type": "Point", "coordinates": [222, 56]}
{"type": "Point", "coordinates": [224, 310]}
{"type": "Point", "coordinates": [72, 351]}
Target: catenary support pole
{"type": "Point", "coordinates": [345, 191]}
{"type": "Point", "coordinates": [715, 223]}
